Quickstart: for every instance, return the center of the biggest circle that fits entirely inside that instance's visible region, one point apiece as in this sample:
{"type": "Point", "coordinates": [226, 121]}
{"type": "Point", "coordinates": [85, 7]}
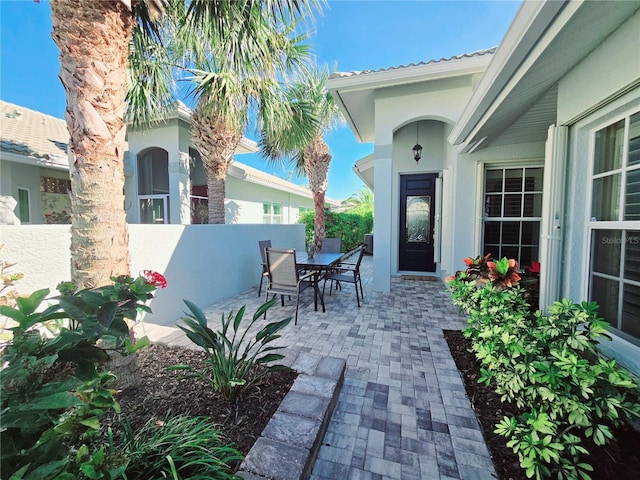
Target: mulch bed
{"type": "Point", "coordinates": [619, 460]}
{"type": "Point", "coordinates": [162, 393]}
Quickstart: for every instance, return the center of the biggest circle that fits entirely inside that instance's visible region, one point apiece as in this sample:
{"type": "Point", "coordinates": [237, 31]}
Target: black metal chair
{"type": "Point", "coordinates": [262, 244]}
{"type": "Point", "coordinates": [284, 278]}
{"type": "Point", "coordinates": [347, 272]}
{"type": "Point", "coordinates": [331, 245]}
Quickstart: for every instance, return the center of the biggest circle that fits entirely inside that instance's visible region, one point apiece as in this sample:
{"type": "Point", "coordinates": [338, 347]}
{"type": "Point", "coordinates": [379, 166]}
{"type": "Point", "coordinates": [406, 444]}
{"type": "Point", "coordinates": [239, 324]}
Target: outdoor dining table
{"type": "Point", "coordinates": [319, 263]}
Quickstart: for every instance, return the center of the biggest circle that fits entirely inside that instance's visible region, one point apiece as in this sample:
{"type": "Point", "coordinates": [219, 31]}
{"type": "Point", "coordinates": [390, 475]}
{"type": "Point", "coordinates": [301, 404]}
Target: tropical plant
{"type": "Point", "coordinates": [504, 272]}
{"type": "Point", "coordinates": [232, 361]}
{"type": "Point", "coordinates": [360, 202]}
{"type": "Point", "coordinates": [549, 367]}
{"type": "Point", "coordinates": [51, 390]}
{"type": "Point", "coordinates": [94, 38]}
{"type": "Point", "coordinates": [176, 447]}
{"type": "Point", "coordinates": [230, 70]}
{"type": "Point", "coordinates": [298, 136]}
{"type": "Point", "coordinates": [350, 228]}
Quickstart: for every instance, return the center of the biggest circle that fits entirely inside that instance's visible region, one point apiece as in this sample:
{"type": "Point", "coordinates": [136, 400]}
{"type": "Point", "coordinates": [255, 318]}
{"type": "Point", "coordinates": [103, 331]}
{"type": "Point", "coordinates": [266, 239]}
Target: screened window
{"type": "Point", "coordinates": [614, 277]}
{"type": "Point", "coordinates": [512, 213]}
{"type": "Point", "coordinates": [153, 186]}
{"type": "Point", "coordinates": [271, 212]}
{"type": "Point", "coordinates": [24, 208]}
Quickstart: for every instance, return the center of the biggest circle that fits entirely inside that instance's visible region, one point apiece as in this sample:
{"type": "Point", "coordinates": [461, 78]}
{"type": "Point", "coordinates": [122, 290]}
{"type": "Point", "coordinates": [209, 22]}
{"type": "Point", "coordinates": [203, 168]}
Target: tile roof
{"type": "Point", "coordinates": [32, 133]}
{"type": "Point", "coordinates": [478, 53]}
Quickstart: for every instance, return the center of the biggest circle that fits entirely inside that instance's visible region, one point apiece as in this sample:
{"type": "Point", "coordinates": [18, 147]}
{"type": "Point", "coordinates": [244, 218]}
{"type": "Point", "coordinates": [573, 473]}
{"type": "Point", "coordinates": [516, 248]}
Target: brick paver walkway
{"type": "Point", "coordinates": [402, 412]}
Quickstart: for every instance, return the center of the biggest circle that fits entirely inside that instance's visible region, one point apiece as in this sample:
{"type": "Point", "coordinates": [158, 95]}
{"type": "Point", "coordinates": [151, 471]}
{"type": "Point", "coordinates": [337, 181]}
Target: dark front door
{"type": "Point", "coordinates": [417, 207]}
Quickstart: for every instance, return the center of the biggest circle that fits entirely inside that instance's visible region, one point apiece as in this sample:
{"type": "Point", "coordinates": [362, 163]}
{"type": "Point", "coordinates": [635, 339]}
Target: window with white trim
{"type": "Point", "coordinates": [271, 212]}
{"type": "Point", "coordinates": [512, 213]}
{"type": "Point", "coordinates": [153, 186]}
{"type": "Point", "coordinates": [24, 207]}
{"type": "Point", "coordinates": [614, 268]}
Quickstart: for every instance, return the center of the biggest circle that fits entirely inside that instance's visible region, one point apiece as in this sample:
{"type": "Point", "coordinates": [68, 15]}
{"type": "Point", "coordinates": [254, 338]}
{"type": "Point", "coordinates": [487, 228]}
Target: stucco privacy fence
{"type": "Point", "coordinates": [202, 263]}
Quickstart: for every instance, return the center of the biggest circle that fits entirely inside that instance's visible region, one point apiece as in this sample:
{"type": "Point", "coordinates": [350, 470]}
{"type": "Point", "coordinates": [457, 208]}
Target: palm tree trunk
{"type": "Point", "coordinates": [215, 194]}
{"type": "Point", "coordinates": [316, 165]}
{"type": "Point", "coordinates": [216, 142]}
{"type": "Point", "coordinates": [93, 38]}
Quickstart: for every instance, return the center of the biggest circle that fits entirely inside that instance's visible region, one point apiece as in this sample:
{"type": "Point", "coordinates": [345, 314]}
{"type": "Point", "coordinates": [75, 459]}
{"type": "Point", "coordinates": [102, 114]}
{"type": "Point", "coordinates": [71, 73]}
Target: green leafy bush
{"type": "Point", "coordinates": [349, 227]}
{"type": "Point", "coordinates": [550, 367]}
{"type": "Point", "coordinates": [177, 447]}
{"type": "Point", "coordinates": [52, 394]}
{"type": "Point", "coordinates": [231, 361]}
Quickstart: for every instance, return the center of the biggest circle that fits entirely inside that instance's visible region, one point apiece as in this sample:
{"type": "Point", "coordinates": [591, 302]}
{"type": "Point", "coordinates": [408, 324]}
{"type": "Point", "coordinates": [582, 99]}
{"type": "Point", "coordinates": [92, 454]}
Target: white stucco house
{"type": "Point", "coordinates": [530, 151]}
{"type": "Point", "coordinates": [164, 177]}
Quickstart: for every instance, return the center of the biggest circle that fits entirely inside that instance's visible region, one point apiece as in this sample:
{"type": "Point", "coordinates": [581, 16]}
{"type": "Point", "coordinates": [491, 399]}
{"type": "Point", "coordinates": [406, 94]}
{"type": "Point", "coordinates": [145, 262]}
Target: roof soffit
{"type": "Point", "coordinates": [499, 102]}
{"type": "Point", "coordinates": [356, 93]}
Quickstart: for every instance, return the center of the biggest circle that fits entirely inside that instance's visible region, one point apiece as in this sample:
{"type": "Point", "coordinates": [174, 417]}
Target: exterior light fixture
{"type": "Point", "coordinates": [417, 148]}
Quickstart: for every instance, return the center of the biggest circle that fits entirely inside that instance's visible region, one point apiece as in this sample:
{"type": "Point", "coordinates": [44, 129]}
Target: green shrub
{"type": "Point", "coordinates": [178, 447]}
{"type": "Point", "coordinates": [231, 361]}
{"type": "Point", "coordinates": [52, 394]}
{"type": "Point", "coordinates": [550, 367]}
{"type": "Point", "coordinates": [349, 227]}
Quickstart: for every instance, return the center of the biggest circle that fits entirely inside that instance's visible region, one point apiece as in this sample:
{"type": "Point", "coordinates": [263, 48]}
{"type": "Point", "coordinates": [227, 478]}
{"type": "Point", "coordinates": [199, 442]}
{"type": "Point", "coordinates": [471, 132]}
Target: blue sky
{"type": "Point", "coordinates": [349, 35]}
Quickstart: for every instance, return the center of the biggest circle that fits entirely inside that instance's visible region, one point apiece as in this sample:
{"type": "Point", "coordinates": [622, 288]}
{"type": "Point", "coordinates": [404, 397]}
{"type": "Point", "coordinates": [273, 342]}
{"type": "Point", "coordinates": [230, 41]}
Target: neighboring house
{"type": "Point", "coordinates": [538, 159]}
{"type": "Point", "coordinates": [164, 177]}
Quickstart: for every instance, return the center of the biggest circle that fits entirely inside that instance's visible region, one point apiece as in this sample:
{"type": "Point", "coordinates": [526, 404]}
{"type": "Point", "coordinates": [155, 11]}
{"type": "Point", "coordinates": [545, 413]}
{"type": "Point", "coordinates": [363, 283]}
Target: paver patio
{"type": "Point", "coordinates": [402, 412]}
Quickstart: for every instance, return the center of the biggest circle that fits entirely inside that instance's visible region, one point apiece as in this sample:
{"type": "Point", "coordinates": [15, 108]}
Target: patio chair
{"type": "Point", "coordinates": [284, 278]}
{"type": "Point", "coordinates": [331, 245]}
{"type": "Point", "coordinates": [347, 272]}
{"type": "Point", "coordinates": [262, 244]}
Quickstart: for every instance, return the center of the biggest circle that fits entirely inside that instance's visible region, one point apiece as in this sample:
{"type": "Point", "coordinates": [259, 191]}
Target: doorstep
{"type": "Point", "coordinates": [289, 444]}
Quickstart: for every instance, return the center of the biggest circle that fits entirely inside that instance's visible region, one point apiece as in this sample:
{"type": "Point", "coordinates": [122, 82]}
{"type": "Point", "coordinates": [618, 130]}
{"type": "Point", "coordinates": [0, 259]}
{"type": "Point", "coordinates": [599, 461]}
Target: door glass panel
{"type": "Point", "coordinates": [513, 205]}
{"type": "Point", "coordinates": [513, 180]}
{"type": "Point", "coordinates": [493, 181]}
{"type": "Point", "coordinates": [634, 140]}
{"type": "Point", "coordinates": [493, 205]}
{"type": "Point", "coordinates": [152, 210]}
{"type": "Point", "coordinates": [605, 292]}
{"type": "Point", "coordinates": [631, 310]}
{"type": "Point", "coordinates": [532, 205]}
{"type": "Point", "coordinates": [608, 153]}
{"type": "Point", "coordinates": [606, 251]}
{"type": "Point", "coordinates": [533, 179]}
{"type": "Point", "coordinates": [632, 256]}
{"type": "Point", "coordinates": [632, 196]}
{"type": "Point", "coordinates": [605, 198]}
{"type": "Point", "coordinates": [418, 227]}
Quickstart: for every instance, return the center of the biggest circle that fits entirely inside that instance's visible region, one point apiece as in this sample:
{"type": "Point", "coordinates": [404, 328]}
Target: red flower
{"type": "Point", "coordinates": [534, 267]}
{"type": "Point", "coordinates": [154, 278]}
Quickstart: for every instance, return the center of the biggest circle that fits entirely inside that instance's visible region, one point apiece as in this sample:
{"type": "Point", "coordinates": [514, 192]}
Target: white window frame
{"type": "Point", "coordinates": [483, 218]}
{"type": "Point", "coordinates": [29, 213]}
{"type": "Point", "coordinates": [620, 224]}
{"type": "Point", "coordinates": [165, 206]}
{"type": "Point", "coordinates": [268, 218]}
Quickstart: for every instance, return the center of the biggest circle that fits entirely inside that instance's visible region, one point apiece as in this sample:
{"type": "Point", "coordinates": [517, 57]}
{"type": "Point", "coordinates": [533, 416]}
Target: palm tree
{"type": "Point", "coordinates": [94, 39]}
{"type": "Point", "coordinates": [233, 68]}
{"type": "Point", "coordinates": [299, 137]}
{"type": "Point", "coordinates": [361, 201]}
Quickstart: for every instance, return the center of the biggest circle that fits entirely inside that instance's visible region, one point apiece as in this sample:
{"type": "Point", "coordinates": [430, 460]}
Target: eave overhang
{"type": "Point", "coordinates": [545, 40]}
{"type": "Point", "coordinates": [355, 92]}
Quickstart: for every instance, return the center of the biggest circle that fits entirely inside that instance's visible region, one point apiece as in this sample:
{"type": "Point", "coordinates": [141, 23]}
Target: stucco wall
{"type": "Point", "coordinates": [202, 263]}
{"type": "Point", "coordinates": [437, 105]}
{"type": "Point", "coordinates": [15, 175]}
{"type": "Point", "coordinates": [244, 202]}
